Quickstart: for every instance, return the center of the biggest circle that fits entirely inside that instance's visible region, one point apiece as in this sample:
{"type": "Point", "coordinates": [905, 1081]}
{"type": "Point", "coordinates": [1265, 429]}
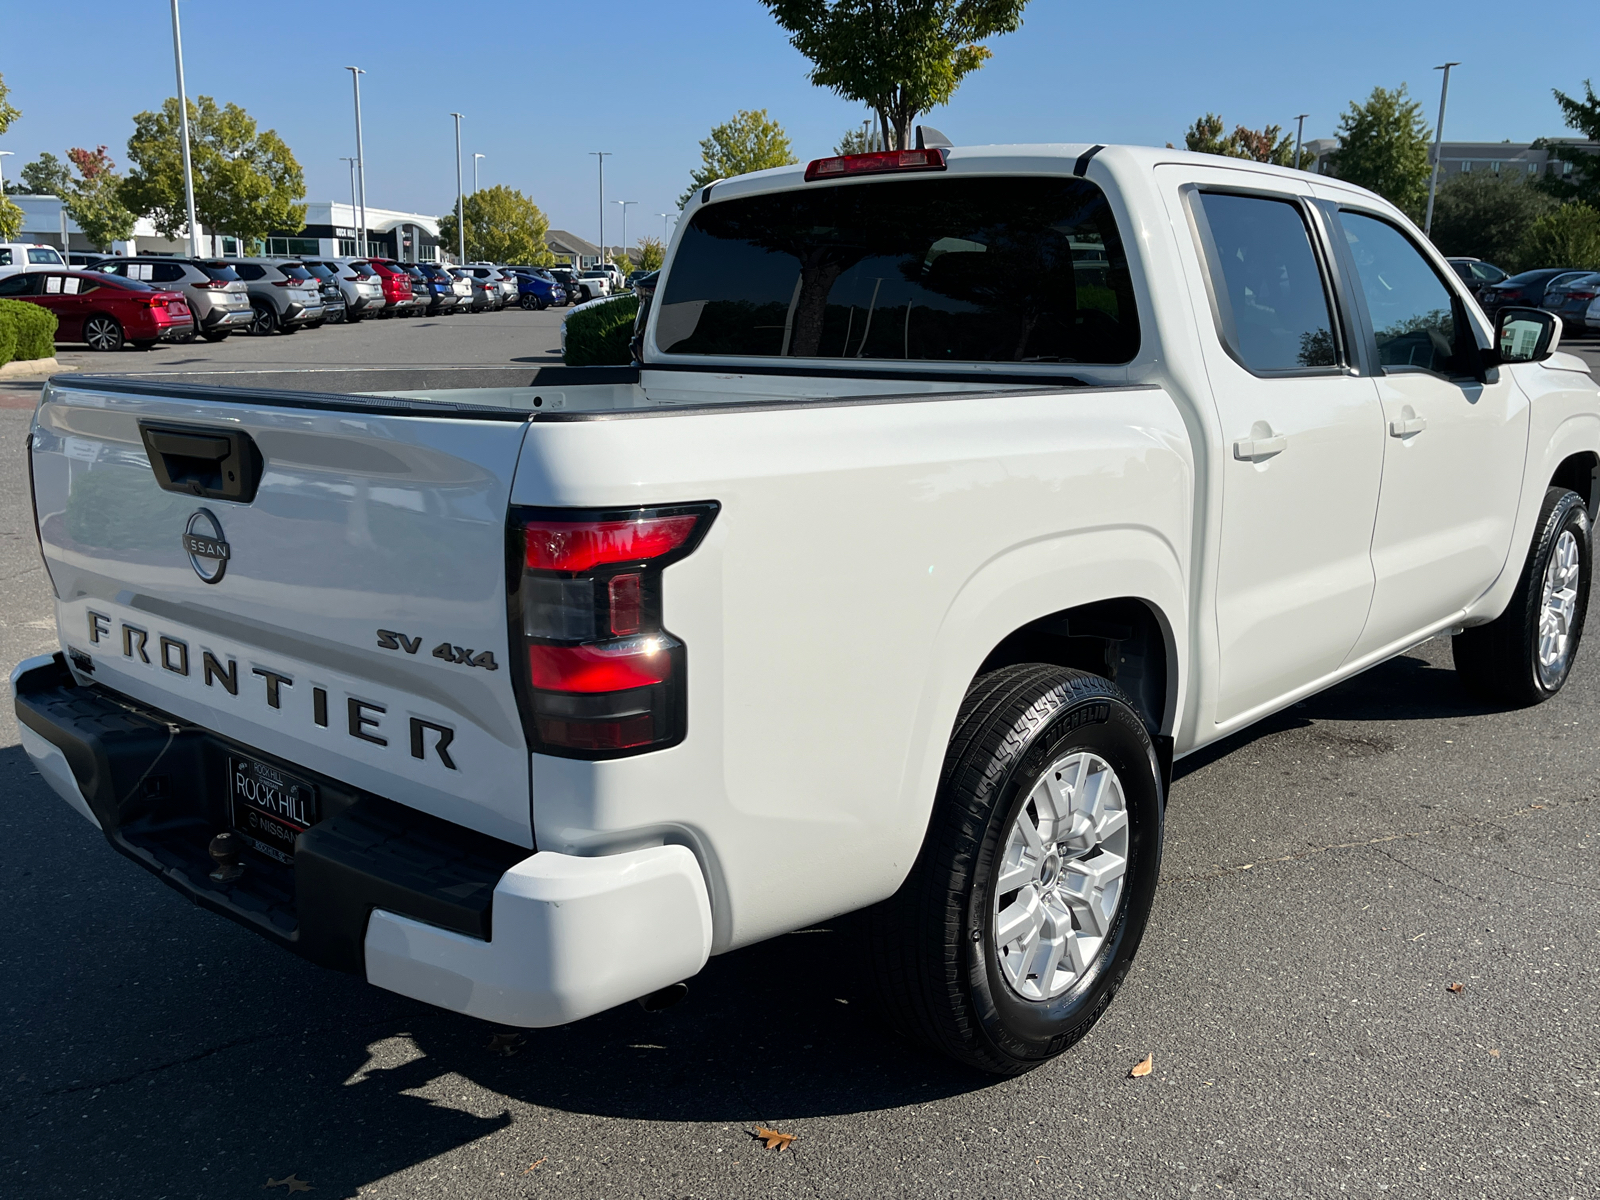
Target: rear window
{"type": "Point", "coordinates": [46, 256]}
{"type": "Point", "coordinates": [296, 273]}
{"type": "Point", "coordinates": [947, 269]}
{"type": "Point", "coordinates": [320, 271]}
{"type": "Point", "coordinates": [360, 270]}
{"type": "Point", "coordinates": [219, 271]}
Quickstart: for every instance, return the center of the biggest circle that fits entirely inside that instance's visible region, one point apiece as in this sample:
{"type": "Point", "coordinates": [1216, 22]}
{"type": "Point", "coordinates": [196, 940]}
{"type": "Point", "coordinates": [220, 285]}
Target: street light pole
{"type": "Point", "coordinates": [356, 246]}
{"type": "Point", "coordinates": [666, 232]}
{"type": "Point", "coordinates": [361, 164]}
{"type": "Point", "coordinates": [1438, 148]}
{"type": "Point", "coordinates": [1299, 136]}
{"type": "Point", "coordinates": [183, 125]}
{"type": "Point", "coordinates": [602, 155]}
{"type": "Point", "coordinates": [475, 159]}
{"type": "Point", "coordinates": [4, 154]}
{"type": "Point", "coordinates": [624, 204]}
{"type": "Point", "coordinates": [461, 200]}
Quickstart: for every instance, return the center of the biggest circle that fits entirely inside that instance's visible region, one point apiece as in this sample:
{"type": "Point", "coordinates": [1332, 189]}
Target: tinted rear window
{"type": "Point", "coordinates": [320, 271]}
{"type": "Point", "coordinates": [293, 272]}
{"type": "Point", "coordinates": [220, 271]}
{"type": "Point", "coordinates": [945, 269]}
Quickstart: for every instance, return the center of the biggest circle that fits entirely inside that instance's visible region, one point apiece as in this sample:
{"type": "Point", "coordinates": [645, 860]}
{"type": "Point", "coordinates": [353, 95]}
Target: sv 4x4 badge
{"type": "Point", "coordinates": [388, 639]}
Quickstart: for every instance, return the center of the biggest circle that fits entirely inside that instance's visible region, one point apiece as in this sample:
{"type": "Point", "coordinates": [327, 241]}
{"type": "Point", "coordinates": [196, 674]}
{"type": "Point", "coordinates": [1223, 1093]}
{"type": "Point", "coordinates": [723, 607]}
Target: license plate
{"type": "Point", "coordinates": [270, 806]}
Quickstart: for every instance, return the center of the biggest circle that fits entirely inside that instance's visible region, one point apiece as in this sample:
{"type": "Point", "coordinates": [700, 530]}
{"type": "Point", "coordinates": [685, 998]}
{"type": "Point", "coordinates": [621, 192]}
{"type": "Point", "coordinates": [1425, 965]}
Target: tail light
{"type": "Point", "coordinates": [875, 164]}
{"type": "Point", "coordinates": [217, 284]}
{"type": "Point", "coordinates": [600, 676]}
{"type": "Point", "coordinates": [1581, 295]}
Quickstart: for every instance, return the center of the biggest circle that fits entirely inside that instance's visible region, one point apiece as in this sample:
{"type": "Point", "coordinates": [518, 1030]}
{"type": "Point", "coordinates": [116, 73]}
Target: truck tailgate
{"type": "Point", "coordinates": [348, 618]}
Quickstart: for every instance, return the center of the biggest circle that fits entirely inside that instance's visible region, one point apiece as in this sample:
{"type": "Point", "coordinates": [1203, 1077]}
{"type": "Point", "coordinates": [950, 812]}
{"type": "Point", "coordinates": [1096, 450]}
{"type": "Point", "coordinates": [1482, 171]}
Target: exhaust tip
{"type": "Point", "coordinates": [665, 998]}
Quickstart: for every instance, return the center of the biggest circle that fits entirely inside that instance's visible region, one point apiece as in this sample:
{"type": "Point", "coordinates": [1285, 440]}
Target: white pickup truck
{"type": "Point", "coordinates": [955, 493]}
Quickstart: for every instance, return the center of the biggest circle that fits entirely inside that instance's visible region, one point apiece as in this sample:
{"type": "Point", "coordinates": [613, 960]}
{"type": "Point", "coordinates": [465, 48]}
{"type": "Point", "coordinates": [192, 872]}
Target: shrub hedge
{"type": "Point", "coordinates": [26, 331]}
{"type": "Point", "coordinates": [599, 336]}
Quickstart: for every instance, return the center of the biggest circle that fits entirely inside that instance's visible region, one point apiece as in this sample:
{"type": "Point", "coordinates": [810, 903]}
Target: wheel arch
{"type": "Point", "coordinates": [1580, 473]}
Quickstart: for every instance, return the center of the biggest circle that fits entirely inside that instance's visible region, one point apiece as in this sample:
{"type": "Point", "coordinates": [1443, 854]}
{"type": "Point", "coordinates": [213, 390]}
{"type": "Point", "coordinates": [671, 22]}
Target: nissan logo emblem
{"type": "Point", "coordinates": [206, 547]}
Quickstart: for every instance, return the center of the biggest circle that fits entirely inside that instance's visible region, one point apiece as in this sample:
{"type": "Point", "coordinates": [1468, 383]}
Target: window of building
{"type": "Point", "coordinates": [347, 247]}
{"type": "Point", "coordinates": [1466, 166]}
{"type": "Point", "coordinates": [427, 254]}
{"type": "Point", "coordinates": [1566, 168]}
{"type": "Point", "coordinates": [1272, 302]}
{"type": "Point", "coordinates": [1495, 167]}
{"type": "Point", "coordinates": [289, 247]}
{"type": "Point", "coordinates": [231, 248]}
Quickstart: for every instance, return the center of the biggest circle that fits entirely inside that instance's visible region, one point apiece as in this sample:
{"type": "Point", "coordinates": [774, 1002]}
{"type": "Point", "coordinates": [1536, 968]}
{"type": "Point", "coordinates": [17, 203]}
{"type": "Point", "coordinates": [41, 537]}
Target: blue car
{"type": "Point", "coordinates": [536, 289]}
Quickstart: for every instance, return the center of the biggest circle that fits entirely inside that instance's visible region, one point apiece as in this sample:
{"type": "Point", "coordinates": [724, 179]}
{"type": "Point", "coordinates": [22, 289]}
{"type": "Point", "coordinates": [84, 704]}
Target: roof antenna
{"type": "Point", "coordinates": [928, 137]}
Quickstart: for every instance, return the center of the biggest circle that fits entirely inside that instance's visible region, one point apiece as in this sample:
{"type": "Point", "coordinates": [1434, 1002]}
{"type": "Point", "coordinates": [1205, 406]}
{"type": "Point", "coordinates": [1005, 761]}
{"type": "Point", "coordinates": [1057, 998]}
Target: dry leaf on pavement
{"type": "Point", "coordinates": [1454, 987]}
{"type": "Point", "coordinates": [1494, 1054]}
{"type": "Point", "coordinates": [532, 1167]}
{"type": "Point", "coordinates": [1144, 1066]}
{"type": "Point", "coordinates": [293, 1182]}
{"type": "Point", "coordinates": [773, 1139]}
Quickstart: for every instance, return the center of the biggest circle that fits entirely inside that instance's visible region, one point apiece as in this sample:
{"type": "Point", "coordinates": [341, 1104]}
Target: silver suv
{"type": "Point", "coordinates": [216, 295]}
{"type": "Point", "coordinates": [363, 290]}
{"type": "Point", "coordinates": [504, 281]}
{"type": "Point", "coordinates": [283, 294]}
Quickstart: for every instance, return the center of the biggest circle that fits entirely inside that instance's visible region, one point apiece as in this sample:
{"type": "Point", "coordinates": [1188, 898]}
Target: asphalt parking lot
{"type": "Point", "coordinates": [1328, 876]}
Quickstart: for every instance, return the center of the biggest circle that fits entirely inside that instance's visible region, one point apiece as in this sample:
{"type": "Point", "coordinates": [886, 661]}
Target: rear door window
{"type": "Point", "coordinates": [1271, 298]}
{"type": "Point", "coordinates": [945, 269]}
{"type": "Point", "coordinates": [1412, 311]}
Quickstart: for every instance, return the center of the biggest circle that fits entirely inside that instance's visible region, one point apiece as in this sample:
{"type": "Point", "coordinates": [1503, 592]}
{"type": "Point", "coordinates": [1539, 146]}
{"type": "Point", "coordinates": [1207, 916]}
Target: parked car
{"type": "Point", "coordinates": [402, 295]}
{"type": "Point", "coordinates": [284, 295]}
{"type": "Point", "coordinates": [218, 299]}
{"type": "Point", "coordinates": [613, 274]}
{"type": "Point", "coordinates": [505, 286]}
{"type": "Point", "coordinates": [485, 295]}
{"type": "Point", "coordinates": [593, 284]}
{"type": "Point", "coordinates": [440, 288]}
{"type": "Point", "coordinates": [567, 277]}
{"type": "Point", "coordinates": [1476, 273]}
{"type": "Point", "coordinates": [1525, 290]}
{"type": "Point", "coordinates": [333, 301]}
{"type": "Point", "coordinates": [355, 278]}
{"type": "Point", "coordinates": [537, 290]}
{"type": "Point", "coordinates": [28, 256]}
{"type": "Point", "coordinates": [103, 310]}
{"type": "Point", "coordinates": [1569, 298]}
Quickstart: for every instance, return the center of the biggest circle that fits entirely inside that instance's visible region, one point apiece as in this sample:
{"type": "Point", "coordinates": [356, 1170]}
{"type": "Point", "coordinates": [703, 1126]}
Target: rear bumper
{"type": "Point", "coordinates": [227, 318]}
{"type": "Point", "coordinates": [417, 905]}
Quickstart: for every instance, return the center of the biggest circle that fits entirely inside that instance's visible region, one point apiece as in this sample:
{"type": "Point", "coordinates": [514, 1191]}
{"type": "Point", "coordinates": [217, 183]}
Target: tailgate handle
{"type": "Point", "coordinates": [202, 460]}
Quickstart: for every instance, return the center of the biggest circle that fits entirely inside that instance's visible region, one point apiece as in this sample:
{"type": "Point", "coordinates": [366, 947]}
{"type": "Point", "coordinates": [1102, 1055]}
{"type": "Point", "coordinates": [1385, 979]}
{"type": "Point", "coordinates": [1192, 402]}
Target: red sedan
{"type": "Point", "coordinates": [103, 310]}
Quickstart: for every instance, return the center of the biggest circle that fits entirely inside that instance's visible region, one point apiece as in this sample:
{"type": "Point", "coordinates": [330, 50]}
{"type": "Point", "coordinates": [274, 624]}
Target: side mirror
{"type": "Point", "coordinates": [1526, 334]}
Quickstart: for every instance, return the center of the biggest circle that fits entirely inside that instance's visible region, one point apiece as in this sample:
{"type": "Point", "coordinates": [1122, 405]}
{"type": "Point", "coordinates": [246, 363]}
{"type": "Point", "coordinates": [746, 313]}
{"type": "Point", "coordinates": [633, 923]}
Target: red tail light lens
{"type": "Point", "coordinates": [876, 164]}
{"type": "Point", "coordinates": [603, 677]}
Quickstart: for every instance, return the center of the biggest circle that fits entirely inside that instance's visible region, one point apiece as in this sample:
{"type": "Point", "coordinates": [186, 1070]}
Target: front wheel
{"type": "Point", "coordinates": [265, 319]}
{"type": "Point", "coordinates": [102, 332]}
{"type": "Point", "coordinates": [1028, 900]}
{"type": "Point", "coordinates": [1525, 654]}
{"type": "Point", "coordinates": [215, 337]}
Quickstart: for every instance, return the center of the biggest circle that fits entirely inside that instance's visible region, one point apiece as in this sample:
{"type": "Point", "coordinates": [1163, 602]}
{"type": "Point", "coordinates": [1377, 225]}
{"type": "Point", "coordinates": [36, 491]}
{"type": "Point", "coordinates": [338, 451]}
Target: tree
{"type": "Point", "coordinates": [899, 57]}
{"type": "Point", "coordinates": [1383, 146]}
{"type": "Point", "coordinates": [503, 226]}
{"type": "Point", "coordinates": [46, 175]}
{"type": "Point", "coordinates": [10, 214]}
{"type": "Point", "coordinates": [751, 141]}
{"type": "Point", "coordinates": [246, 184]}
{"type": "Point", "coordinates": [1567, 237]}
{"type": "Point", "coordinates": [1269, 145]}
{"type": "Point", "coordinates": [623, 262]}
{"type": "Point", "coordinates": [1483, 215]}
{"type": "Point", "coordinates": [1584, 183]}
{"type": "Point", "coordinates": [93, 200]}
{"type": "Point", "coordinates": [865, 140]}
{"type": "Point", "coordinates": [651, 254]}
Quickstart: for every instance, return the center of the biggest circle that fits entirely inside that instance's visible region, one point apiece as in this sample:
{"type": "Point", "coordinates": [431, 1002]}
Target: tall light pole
{"type": "Point", "coordinates": [624, 204]}
{"type": "Point", "coordinates": [354, 245]}
{"type": "Point", "coordinates": [183, 126]}
{"type": "Point", "coordinates": [1438, 149]}
{"type": "Point", "coordinates": [461, 200]}
{"type": "Point", "coordinates": [4, 154]}
{"type": "Point", "coordinates": [602, 155]}
{"type": "Point", "coordinates": [1299, 136]}
{"type": "Point", "coordinates": [666, 232]}
{"type": "Point", "coordinates": [475, 159]}
{"type": "Point", "coordinates": [361, 165]}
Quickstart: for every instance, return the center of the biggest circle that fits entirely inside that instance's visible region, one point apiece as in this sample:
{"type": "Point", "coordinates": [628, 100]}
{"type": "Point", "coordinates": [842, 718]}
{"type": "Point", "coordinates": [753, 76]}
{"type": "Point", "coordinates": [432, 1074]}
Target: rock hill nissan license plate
{"type": "Point", "coordinates": [270, 806]}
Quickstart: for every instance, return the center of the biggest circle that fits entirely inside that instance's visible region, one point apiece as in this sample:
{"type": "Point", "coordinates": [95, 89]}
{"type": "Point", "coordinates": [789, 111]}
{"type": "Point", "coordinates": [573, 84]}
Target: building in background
{"type": "Point", "coordinates": [1462, 158]}
{"type": "Point", "coordinates": [44, 218]}
{"type": "Point", "coordinates": [571, 250]}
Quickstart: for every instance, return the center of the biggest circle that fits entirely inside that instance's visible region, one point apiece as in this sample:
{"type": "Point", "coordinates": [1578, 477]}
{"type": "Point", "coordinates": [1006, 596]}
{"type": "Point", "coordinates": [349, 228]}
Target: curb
{"type": "Point", "coordinates": [33, 368]}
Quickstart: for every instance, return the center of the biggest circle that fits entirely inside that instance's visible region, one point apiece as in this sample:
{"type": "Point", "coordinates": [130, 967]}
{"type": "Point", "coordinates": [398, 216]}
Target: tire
{"type": "Point", "coordinates": [314, 324]}
{"type": "Point", "coordinates": [215, 337]}
{"type": "Point", "coordinates": [266, 319]}
{"type": "Point", "coordinates": [102, 332]}
{"type": "Point", "coordinates": [288, 329]}
{"type": "Point", "coordinates": [1524, 656]}
{"type": "Point", "coordinates": [935, 951]}
{"type": "Point", "coordinates": [529, 303]}
{"type": "Point", "coordinates": [143, 343]}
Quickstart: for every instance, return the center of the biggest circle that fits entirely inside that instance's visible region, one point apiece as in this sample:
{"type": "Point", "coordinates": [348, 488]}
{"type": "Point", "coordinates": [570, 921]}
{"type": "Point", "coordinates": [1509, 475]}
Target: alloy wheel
{"type": "Point", "coordinates": [102, 333]}
{"type": "Point", "coordinates": [1557, 609]}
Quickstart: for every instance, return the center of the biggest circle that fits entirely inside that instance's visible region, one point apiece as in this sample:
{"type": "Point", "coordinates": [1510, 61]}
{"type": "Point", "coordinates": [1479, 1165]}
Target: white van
{"type": "Point", "coordinates": [28, 256]}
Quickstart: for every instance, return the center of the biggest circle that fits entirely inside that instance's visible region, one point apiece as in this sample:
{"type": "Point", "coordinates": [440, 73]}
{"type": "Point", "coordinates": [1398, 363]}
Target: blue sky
{"type": "Point", "coordinates": [543, 83]}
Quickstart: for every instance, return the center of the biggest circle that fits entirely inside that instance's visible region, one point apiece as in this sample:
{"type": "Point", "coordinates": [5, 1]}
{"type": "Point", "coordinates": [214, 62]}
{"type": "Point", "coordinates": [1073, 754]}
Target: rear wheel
{"type": "Point", "coordinates": [1525, 654]}
{"type": "Point", "coordinates": [102, 332]}
{"type": "Point", "coordinates": [1030, 895]}
{"type": "Point", "coordinates": [215, 337]}
{"type": "Point", "coordinates": [265, 319]}
{"type": "Point", "coordinates": [142, 343]}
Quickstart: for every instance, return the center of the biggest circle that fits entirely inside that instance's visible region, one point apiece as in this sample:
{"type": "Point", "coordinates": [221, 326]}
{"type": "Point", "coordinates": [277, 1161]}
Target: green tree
{"type": "Point", "coordinates": [1383, 146]}
{"type": "Point", "coordinates": [94, 201]}
{"type": "Point", "coordinates": [246, 183]}
{"type": "Point", "coordinates": [751, 141]}
{"type": "Point", "coordinates": [1483, 215]}
{"type": "Point", "coordinates": [10, 214]}
{"type": "Point", "coordinates": [1567, 237]}
{"type": "Point", "coordinates": [865, 140]}
{"type": "Point", "coordinates": [651, 254]}
{"type": "Point", "coordinates": [1584, 182]}
{"type": "Point", "coordinates": [503, 226]}
{"type": "Point", "coordinates": [899, 57]}
{"type": "Point", "coordinates": [46, 175]}
{"type": "Point", "coordinates": [1269, 145]}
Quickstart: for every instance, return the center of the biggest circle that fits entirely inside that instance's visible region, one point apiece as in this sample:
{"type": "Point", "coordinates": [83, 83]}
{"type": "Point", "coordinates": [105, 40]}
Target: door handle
{"type": "Point", "coordinates": [1408, 424]}
{"type": "Point", "coordinates": [1259, 449]}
